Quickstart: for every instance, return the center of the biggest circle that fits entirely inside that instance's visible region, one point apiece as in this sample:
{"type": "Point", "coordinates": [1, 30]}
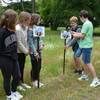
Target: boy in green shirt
{"type": "Point", "coordinates": [86, 44]}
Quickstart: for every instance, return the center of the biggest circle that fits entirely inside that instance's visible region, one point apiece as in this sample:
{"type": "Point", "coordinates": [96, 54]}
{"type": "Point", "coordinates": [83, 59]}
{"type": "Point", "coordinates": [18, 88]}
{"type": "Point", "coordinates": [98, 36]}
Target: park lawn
{"type": "Point", "coordinates": [97, 30]}
{"type": "Point", "coordinates": [59, 86]}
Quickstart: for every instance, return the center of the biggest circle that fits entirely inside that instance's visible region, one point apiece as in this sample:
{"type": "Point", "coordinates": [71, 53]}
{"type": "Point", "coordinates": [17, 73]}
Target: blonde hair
{"type": "Point", "coordinates": [73, 19]}
{"type": "Point", "coordinates": [24, 16]}
{"type": "Point", "coordinates": [8, 19]}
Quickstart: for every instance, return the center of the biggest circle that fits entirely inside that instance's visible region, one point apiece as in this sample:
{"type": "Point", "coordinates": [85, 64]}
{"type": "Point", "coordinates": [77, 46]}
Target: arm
{"type": "Point", "coordinates": [71, 42]}
{"type": "Point", "coordinates": [82, 33]}
{"type": "Point", "coordinates": [78, 35]}
{"type": "Point", "coordinates": [30, 42]}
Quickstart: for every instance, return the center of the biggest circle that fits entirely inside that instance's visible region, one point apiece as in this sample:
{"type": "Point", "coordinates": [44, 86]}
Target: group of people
{"type": "Point", "coordinates": [16, 42]}
{"type": "Point", "coordinates": [82, 44]}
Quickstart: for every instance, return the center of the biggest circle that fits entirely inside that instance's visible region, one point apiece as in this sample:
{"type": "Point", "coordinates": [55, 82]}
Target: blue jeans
{"type": "Point", "coordinates": [77, 52]}
{"type": "Point", "coordinates": [86, 55]}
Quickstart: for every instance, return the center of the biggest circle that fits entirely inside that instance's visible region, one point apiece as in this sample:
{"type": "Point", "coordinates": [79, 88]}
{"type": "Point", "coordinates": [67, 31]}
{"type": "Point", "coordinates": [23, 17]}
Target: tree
{"type": "Point", "coordinates": [57, 12]}
{"type": "Point", "coordinates": [33, 5]}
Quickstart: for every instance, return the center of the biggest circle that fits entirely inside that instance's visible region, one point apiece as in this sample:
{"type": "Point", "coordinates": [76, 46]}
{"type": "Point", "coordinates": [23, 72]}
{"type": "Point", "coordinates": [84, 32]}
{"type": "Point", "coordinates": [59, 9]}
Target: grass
{"type": "Point", "coordinates": [97, 30]}
{"type": "Point", "coordinates": [59, 86]}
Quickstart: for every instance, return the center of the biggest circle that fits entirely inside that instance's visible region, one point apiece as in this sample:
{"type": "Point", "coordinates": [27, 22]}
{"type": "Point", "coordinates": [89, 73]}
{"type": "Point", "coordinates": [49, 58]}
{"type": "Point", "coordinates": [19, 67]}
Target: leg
{"type": "Point", "coordinates": [87, 59]}
{"type": "Point", "coordinates": [21, 61]}
{"type": "Point", "coordinates": [77, 63]}
{"type": "Point", "coordinates": [91, 69]}
{"type": "Point", "coordinates": [6, 69]}
{"type": "Point", "coordinates": [39, 66]}
{"type": "Point", "coordinates": [34, 71]}
{"type": "Point", "coordinates": [77, 54]}
{"type": "Point", "coordinates": [16, 76]}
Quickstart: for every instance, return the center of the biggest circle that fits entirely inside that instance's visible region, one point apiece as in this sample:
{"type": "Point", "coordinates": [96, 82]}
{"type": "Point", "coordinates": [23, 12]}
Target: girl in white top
{"type": "Point", "coordinates": [21, 32]}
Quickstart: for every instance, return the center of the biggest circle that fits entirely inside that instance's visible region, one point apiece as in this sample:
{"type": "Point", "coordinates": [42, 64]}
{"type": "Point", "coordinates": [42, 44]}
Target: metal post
{"type": "Point", "coordinates": [38, 50]}
{"type": "Point", "coordinates": [64, 57]}
{"type": "Point", "coordinates": [22, 5]}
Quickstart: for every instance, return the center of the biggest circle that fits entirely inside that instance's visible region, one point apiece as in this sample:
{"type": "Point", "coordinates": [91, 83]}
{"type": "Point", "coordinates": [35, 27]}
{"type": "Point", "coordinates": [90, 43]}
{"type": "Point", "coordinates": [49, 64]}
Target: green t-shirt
{"type": "Point", "coordinates": [87, 29]}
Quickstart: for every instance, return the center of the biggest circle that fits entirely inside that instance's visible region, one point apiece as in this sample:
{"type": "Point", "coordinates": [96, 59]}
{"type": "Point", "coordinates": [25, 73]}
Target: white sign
{"type": "Point", "coordinates": [39, 31]}
{"type": "Point", "coordinates": [65, 34]}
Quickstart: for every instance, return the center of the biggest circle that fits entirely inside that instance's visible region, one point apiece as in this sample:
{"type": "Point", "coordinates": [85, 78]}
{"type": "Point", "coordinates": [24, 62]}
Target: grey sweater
{"type": "Point", "coordinates": [22, 45]}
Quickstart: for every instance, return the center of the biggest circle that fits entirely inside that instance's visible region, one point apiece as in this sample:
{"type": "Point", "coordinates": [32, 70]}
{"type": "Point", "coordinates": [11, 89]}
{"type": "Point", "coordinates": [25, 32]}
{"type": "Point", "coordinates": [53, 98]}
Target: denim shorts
{"type": "Point", "coordinates": [86, 55]}
{"type": "Point", "coordinates": [77, 52]}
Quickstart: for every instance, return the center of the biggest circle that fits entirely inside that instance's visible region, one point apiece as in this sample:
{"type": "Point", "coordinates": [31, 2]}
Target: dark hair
{"type": "Point", "coordinates": [8, 19]}
{"type": "Point", "coordinates": [84, 13]}
{"type": "Point", "coordinates": [34, 19]}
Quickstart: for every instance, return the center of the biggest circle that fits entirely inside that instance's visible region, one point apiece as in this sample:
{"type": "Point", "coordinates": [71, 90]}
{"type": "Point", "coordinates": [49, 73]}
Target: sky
{"type": "Point", "coordinates": [4, 2]}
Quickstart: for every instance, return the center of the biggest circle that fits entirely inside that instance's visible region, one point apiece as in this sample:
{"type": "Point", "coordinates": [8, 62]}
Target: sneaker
{"type": "Point", "coordinates": [12, 97]}
{"type": "Point", "coordinates": [41, 84]}
{"type": "Point", "coordinates": [95, 83]}
{"type": "Point", "coordinates": [35, 84]}
{"type": "Point", "coordinates": [83, 77]}
{"type": "Point", "coordinates": [17, 95]}
{"type": "Point", "coordinates": [21, 88]}
{"type": "Point", "coordinates": [26, 86]}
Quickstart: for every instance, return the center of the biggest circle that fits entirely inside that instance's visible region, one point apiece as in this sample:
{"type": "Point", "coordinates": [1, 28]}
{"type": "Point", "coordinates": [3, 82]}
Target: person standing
{"type": "Point", "coordinates": [35, 52]}
{"type": "Point", "coordinates": [74, 43]}
{"type": "Point", "coordinates": [86, 45]}
{"type": "Point", "coordinates": [8, 55]}
{"type": "Point", "coordinates": [23, 51]}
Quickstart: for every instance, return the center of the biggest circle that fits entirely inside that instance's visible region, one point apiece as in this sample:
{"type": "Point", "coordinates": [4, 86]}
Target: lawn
{"type": "Point", "coordinates": [59, 86]}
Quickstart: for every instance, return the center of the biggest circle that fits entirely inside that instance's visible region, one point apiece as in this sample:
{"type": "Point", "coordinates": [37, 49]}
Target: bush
{"type": "Point", "coordinates": [1, 10]}
{"type": "Point", "coordinates": [27, 6]}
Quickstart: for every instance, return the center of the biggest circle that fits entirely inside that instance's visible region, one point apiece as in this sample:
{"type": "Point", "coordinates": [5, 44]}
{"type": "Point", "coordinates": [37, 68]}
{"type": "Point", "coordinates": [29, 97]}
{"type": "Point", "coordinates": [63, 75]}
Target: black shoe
{"type": "Point", "coordinates": [75, 71]}
{"type": "Point", "coordinates": [80, 71]}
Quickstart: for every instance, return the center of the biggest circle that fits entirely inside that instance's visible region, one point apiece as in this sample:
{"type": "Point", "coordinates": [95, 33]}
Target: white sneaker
{"type": "Point", "coordinates": [35, 84]}
{"type": "Point", "coordinates": [95, 83]}
{"type": "Point", "coordinates": [21, 88]}
{"type": "Point", "coordinates": [83, 77]}
{"type": "Point", "coordinates": [17, 95]}
{"type": "Point", "coordinates": [41, 84]}
{"type": "Point", "coordinates": [26, 86]}
{"type": "Point", "coordinates": [12, 97]}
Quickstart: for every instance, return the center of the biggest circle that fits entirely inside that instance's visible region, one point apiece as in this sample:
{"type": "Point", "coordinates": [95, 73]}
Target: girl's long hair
{"type": "Point", "coordinates": [34, 19]}
{"type": "Point", "coordinates": [8, 19]}
{"type": "Point", "coordinates": [23, 16]}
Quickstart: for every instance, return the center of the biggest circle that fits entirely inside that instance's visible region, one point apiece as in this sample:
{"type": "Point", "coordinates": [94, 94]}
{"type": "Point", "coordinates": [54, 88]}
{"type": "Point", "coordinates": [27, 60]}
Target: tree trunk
{"type": "Point", "coordinates": [33, 6]}
{"type": "Point", "coordinates": [22, 5]}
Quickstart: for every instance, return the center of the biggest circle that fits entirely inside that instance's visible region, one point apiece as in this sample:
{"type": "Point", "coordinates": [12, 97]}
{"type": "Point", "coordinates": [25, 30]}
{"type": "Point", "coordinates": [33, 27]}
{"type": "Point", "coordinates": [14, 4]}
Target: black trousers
{"type": "Point", "coordinates": [9, 68]}
{"type": "Point", "coordinates": [21, 61]}
{"type": "Point", "coordinates": [36, 67]}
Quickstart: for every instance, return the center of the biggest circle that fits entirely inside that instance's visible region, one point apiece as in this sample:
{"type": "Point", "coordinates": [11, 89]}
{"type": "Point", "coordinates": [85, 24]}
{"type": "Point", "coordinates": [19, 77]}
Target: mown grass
{"type": "Point", "coordinates": [97, 30]}
{"type": "Point", "coordinates": [59, 86]}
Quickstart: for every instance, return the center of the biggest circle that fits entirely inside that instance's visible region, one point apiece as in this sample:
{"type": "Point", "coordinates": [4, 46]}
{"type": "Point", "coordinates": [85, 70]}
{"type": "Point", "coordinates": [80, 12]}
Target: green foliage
{"type": "Point", "coordinates": [57, 12]}
{"type": "Point", "coordinates": [27, 6]}
{"type": "Point", "coordinates": [18, 6]}
{"type": "Point", "coordinates": [1, 10]}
